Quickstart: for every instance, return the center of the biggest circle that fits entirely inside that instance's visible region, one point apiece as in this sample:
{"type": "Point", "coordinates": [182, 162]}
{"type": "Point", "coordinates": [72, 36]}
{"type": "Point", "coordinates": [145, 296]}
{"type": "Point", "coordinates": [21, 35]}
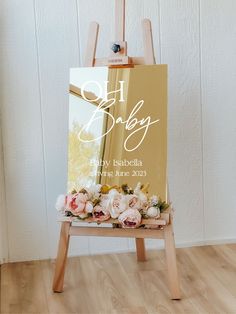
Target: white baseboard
{"type": "Point", "coordinates": [154, 244]}
{"type": "Point", "coordinates": [160, 245]}
{"type": "Point", "coordinates": [205, 242]}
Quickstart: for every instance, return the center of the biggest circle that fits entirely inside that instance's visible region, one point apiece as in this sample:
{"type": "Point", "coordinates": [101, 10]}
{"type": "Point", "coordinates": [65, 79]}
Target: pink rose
{"type": "Point", "coordinates": [81, 197]}
{"type": "Point", "coordinates": [79, 205]}
{"type": "Point", "coordinates": [130, 218]}
{"type": "Point", "coordinates": [69, 201]}
{"type": "Point", "coordinates": [73, 206]}
{"type": "Point", "coordinates": [100, 214]}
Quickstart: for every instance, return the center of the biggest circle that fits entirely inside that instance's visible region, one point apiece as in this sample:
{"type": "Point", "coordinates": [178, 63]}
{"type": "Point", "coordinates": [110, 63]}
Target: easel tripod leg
{"type": "Point", "coordinates": [58, 280]}
{"type": "Point", "coordinates": [171, 262]}
{"type": "Point", "coordinates": [140, 249]}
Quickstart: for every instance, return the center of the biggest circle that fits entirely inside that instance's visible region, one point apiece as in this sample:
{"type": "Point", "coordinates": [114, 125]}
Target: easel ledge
{"type": "Point", "coordinates": [154, 228]}
{"type": "Point", "coordinates": [162, 221]}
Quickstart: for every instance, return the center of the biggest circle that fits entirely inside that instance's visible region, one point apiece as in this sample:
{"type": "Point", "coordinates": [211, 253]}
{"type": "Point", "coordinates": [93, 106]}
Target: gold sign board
{"type": "Point", "coordinates": [118, 127]}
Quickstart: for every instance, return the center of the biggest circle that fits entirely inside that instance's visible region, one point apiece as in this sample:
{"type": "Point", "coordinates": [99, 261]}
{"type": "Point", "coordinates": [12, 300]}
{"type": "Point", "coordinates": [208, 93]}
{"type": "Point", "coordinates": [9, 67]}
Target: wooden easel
{"type": "Point", "coordinates": [119, 58]}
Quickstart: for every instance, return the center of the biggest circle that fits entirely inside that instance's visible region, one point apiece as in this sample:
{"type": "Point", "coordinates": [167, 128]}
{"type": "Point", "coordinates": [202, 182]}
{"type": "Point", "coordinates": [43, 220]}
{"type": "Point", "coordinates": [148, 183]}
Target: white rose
{"type": "Point", "coordinates": [153, 212]}
{"type": "Point", "coordinates": [60, 203]}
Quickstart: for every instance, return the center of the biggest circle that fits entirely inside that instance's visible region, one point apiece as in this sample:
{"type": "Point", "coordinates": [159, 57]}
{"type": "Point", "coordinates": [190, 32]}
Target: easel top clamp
{"type": "Point", "coordinates": [118, 55]}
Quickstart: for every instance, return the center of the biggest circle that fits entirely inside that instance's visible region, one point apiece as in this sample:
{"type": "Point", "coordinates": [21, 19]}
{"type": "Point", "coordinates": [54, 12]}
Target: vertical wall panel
{"type": "Point", "coordinates": [218, 31]}
{"type": "Point", "coordinates": [180, 50]}
{"type": "Point", "coordinates": [136, 11]}
{"type": "Point", "coordinates": [22, 133]}
{"type": "Point", "coordinates": [58, 50]}
{"type": "Point", "coordinates": [3, 220]}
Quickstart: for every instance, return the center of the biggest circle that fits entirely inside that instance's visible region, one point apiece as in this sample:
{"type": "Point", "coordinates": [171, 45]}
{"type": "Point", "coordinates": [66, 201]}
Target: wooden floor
{"type": "Point", "coordinates": [118, 284]}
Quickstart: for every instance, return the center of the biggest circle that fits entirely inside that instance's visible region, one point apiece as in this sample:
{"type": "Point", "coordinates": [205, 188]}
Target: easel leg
{"type": "Point", "coordinates": [171, 262]}
{"type": "Point", "coordinates": [149, 57]}
{"type": "Point", "coordinates": [58, 280]}
{"type": "Point", "coordinates": [140, 249]}
{"type": "Point", "coordinates": [91, 45]}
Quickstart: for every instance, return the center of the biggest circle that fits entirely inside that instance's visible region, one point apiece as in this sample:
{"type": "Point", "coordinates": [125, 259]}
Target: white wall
{"type": "Point", "coordinates": [42, 39]}
{"type": "Point", "coordinates": [3, 224]}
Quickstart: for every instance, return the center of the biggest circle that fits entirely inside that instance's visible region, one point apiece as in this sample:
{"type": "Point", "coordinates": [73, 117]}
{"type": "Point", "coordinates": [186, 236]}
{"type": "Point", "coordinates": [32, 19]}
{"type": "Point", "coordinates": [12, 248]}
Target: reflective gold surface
{"type": "Point", "coordinates": [121, 127]}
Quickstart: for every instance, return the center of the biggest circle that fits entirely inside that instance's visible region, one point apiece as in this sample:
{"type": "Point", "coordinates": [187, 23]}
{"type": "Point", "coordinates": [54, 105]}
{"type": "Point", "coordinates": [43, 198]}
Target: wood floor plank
{"type": "Point", "coordinates": [73, 299]}
{"type": "Point", "coordinates": [22, 289]}
{"type": "Point", "coordinates": [224, 267]}
{"type": "Point", "coordinates": [146, 282]}
{"type": "Point", "coordinates": [216, 292]}
{"type": "Point", "coordinates": [193, 284]}
{"type": "Point", "coordinates": [118, 284]}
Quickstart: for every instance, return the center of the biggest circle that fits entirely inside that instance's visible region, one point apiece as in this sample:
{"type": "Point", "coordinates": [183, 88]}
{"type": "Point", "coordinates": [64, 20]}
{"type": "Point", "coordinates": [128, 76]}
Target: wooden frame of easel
{"type": "Point", "coordinates": [165, 222]}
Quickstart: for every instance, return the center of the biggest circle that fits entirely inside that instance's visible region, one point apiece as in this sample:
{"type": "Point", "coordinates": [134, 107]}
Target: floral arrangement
{"type": "Point", "coordinates": [102, 202]}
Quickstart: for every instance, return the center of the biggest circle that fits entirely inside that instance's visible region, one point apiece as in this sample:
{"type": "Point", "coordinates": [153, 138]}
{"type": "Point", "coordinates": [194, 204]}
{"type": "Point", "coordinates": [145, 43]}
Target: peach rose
{"type": "Point", "coordinates": [83, 202]}
{"type": "Point", "coordinates": [130, 218]}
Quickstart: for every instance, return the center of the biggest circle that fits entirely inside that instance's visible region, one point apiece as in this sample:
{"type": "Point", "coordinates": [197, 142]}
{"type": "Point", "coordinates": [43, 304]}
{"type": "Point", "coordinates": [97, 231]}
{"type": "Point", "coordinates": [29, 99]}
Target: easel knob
{"type": "Point", "coordinates": [115, 48]}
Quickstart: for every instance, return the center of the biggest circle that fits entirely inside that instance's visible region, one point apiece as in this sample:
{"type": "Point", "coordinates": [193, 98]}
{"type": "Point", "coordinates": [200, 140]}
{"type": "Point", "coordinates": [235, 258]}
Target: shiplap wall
{"type": "Point", "coordinates": [42, 39]}
{"type": "Point", "coordinates": [3, 224]}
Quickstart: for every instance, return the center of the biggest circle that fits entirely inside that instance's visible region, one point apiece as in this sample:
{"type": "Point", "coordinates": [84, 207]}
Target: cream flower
{"type": "Point", "coordinates": [104, 201]}
{"type": "Point", "coordinates": [117, 203]}
{"type": "Point", "coordinates": [88, 207]}
{"type": "Point", "coordinates": [133, 201]}
{"type": "Point", "coordinates": [94, 191]}
{"type": "Point", "coordinates": [118, 206]}
{"type": "Point", "coordinates": [139, 193]}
